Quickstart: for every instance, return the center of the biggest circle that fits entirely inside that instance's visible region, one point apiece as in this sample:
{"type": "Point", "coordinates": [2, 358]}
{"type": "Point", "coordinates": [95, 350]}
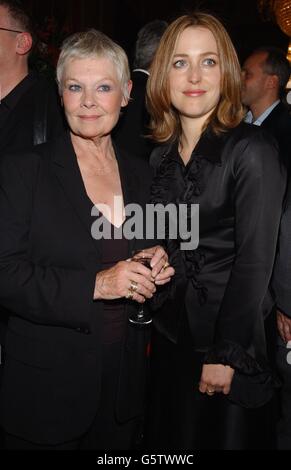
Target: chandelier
{"type": "Point", "coordinates": [283, 15]}
{"type": "Point", "coordinates": [280, 10]}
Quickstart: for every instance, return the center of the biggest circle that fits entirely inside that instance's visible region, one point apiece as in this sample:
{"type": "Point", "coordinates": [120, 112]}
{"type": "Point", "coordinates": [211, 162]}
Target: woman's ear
{"type": "Point", "coordinates": [126, 100]}
{"type": "Point", "coordinates": [24, 43]}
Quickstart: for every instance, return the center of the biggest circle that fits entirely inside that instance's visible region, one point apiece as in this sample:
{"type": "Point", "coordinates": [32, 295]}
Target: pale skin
{"type": "Point", "coordinates": [92, 96]}
{"type": "Point", "coordinates": [284, 326]}
{"type": "Point", "coordinates": [259, 89]}
{"type": "Point", "coordinates": [14, 50]}
{"type": "Point", "coordinates": [195, 84]}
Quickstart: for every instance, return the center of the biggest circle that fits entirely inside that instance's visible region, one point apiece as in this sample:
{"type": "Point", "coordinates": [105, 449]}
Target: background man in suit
{"type": "Point", "coordinates": [265, 75]}
{"type": "Point", "coordinates": [133, 124]}
{"type": "Point", "coordinates": [30, 111]}
{"type": "Point", "coordinates": [282, 290]}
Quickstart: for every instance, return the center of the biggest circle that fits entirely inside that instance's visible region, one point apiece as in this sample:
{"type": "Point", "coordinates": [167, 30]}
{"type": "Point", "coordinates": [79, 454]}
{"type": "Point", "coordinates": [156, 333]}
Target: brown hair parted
{"type": "Point", "coordinates": [165, 122]}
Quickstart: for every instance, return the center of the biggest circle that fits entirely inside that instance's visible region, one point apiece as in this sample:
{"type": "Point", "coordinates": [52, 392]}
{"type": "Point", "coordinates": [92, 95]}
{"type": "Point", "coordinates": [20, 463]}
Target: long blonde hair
{"type": "Point", "coordinates": [165, 122]}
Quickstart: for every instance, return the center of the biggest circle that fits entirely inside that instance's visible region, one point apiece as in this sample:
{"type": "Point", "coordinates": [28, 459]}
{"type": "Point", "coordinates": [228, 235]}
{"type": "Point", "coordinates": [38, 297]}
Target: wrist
{"type": "Point", "coordinates": [98, 286]}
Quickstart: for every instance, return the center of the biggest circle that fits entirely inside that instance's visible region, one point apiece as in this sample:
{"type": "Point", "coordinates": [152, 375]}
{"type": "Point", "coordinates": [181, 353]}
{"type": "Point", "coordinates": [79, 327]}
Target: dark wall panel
{"type": "Point", "coordinates": [121, 19]}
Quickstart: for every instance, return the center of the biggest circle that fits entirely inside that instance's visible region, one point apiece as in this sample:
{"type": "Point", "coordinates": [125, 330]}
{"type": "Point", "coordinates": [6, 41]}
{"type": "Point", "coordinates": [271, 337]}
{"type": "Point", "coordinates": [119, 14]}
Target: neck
{"type": "Point", "coordinates": [11, 78]}
{"type": "Point", "coordinates": [260, 107]}
{"type": "Point", "coordinates": [191, 133]}
{"type": "Point", "coordinates": [95, 150]}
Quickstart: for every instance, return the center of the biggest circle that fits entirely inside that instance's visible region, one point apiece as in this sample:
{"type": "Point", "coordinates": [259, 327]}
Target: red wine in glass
{"type": "Point", "coordinates": [141, 316]}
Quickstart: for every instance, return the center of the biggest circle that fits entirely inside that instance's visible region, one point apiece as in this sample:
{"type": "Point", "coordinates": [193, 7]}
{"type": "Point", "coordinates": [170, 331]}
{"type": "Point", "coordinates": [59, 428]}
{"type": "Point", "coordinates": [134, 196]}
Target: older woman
{"type": "Point", "coordinates": [75, 368]}
{"type": "Point", "coordinates": [209, 355]}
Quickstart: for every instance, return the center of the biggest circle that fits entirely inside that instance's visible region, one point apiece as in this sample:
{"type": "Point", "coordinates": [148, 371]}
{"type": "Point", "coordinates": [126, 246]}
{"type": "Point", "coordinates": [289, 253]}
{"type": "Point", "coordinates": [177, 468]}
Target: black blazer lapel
{"type": "Point", "coordinates": [130, 184]}
{"type": "Point", "coordinates": [67, 172]}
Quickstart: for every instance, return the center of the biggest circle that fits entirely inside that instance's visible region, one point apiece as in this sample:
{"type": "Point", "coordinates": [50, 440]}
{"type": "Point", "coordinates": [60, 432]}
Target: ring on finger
{"type": "Point", "coordinates": [210, 391]}
{"type": "Point", "coordinates": [133, 286]}
{"type": "Point", "coordinates": [129, 294]}
{"type": "Point", "coordinates": [166, 265]}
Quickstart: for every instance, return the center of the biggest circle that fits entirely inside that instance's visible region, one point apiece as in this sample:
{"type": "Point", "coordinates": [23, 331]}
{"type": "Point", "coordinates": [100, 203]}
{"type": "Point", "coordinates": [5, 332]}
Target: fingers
{"type": "Point", "coordinates": [280, 328]}
{"type": "Point", "coordinates": [284, 326]}
{"type": "Point", "coordinates": [159, 260]}
{"type": "Point", "coordinates": [286, 330]}
{"type": "Point", "coordinates": [216, 378]}
{"type": "Point", "coordinates": [202, 386]}
{"type": "Point", "coordinates": [145, 278]}
{"type": "Point", "coordinates": [211, 389]}
{"type": "Point", "coordinates": [226, 389]}
{"type": "Point", "coordinates": [157, 252]}
{"type": "Point", "coordinates": [164, 276]}
{"type": "Point", "coordinates": [144, 287]}
{"type": "Point", "coordinates": [138, 297]}
{"type": "Point", "coordinates": [139, 268]}
{"type": "Point", "coordinates": [161, 271]}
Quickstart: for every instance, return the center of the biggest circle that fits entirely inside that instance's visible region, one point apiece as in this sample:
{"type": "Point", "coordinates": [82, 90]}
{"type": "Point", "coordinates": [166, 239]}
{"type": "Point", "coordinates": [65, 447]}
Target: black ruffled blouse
{"type": "Point", "coordinates": [237, 180]}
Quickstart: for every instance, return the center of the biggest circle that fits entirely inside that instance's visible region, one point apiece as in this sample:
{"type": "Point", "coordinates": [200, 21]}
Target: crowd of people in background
{"type": "Point", "coordinates": [189, 126]}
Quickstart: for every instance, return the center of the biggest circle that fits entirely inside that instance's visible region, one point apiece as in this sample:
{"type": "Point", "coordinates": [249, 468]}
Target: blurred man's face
{"type": "Point", "coordinates": [254, 79]}
{"type": "Point", "coordinates": [8, 39]}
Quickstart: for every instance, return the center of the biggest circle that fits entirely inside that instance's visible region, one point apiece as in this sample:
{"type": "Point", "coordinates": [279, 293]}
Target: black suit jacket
{"type": "Point", "coordinates": [282, 270]}
{"type": "Point", "coordinates": [133, 123]}
{"type": "Point", "coordinates": [48, 264]}
{"type": "Point", "coordinates": [278, 123]}
{"type": "Point", "coordinates": [36, 118]}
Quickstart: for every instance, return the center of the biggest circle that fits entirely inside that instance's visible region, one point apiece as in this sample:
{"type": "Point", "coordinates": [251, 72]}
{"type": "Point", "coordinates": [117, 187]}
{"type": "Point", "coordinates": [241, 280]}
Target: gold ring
{"type": "Point", "coordinates": [166, 265]}
{"type": "Point", "coordinates": [129, 294]}
{"type": "Point", "coordinates": [133, 286]}
{"type": "Point", "coordinates": [210, 392]}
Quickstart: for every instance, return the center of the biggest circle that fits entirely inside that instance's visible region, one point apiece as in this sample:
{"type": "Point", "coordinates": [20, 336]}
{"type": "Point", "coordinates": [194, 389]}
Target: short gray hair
{"type": "Point", "coordinates": [94, 44]}
{"type": "Point", "coordinates": [148, 39]}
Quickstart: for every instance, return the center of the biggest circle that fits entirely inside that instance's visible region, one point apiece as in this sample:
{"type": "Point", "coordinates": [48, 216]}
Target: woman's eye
{"type": "Point", "coordinates": [74, 87]}
{"type": "Point", "coordinates": [209, 62]}
{"type": "Point", "coordinates": [104, 88]}
{"type": "Point", "coordinates": [180, 63]}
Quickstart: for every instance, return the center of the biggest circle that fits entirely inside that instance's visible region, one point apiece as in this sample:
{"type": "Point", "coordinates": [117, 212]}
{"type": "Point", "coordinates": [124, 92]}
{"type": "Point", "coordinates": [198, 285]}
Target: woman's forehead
{"type": "Point", "coordinates": [99, 65]}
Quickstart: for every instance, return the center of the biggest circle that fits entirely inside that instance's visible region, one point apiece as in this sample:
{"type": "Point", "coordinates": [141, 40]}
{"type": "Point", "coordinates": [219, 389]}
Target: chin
{"type": "Point", "coordinates": [87, 133]}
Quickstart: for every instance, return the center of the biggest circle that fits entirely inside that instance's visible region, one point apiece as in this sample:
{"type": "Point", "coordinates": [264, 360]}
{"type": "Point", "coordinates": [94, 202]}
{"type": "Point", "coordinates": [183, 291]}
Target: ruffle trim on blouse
{"type": "Point", "coordinates": [253, 384]}
{"type": "Point", "coordinates": [232, 354]}
{"type": "Point", "coordinates": [194, 261]}
{"type": "Point", "coordinates": [162, 187]}
{"type": "Point", "coordinates": [163, 181]}
{"type": "Point", "coordinates": [195, 183]}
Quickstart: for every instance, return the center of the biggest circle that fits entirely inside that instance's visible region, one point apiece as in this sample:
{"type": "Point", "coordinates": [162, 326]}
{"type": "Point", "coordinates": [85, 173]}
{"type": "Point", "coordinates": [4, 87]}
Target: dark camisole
{"type": "Point", "coordinates": [114, 321]}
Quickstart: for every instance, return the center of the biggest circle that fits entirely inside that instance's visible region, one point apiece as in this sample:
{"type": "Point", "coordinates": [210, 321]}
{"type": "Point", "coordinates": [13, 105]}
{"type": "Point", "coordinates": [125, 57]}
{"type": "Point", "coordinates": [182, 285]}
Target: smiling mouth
{"type": "Point", "coordinates": [89, 118]}
{"type": "Point", "coordinates": [194, 92]}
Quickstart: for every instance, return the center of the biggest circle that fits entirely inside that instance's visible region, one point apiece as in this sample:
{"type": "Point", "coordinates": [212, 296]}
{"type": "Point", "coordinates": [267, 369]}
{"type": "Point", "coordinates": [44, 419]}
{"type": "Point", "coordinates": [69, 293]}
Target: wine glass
{"type": "Point", "coordinates": [141, 316]}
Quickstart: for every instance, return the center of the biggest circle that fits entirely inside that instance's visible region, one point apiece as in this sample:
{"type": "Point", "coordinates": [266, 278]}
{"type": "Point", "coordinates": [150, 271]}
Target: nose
{"type": "Point", "coordinates": [194, 73]}
{"type": "Point", "coordinates": [88, 100]}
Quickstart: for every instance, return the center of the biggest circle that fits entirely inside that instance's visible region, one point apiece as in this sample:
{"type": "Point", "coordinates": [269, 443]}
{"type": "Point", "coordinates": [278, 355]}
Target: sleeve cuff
{"type": "Point", "coordinates": [253, 384]}
{"type": "Point", "coordinates": [233, 355]}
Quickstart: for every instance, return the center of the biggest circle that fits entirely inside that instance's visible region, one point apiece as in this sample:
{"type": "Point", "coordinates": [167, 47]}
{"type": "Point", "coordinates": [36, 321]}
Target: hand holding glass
{"type": "Point", "coordinates": [141, 316]}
